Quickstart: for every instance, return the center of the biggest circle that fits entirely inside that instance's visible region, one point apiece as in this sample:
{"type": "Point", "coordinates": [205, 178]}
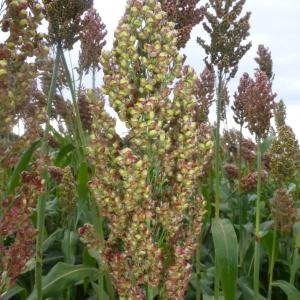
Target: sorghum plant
{"type": "Point", "coordinates": [258, 113]}
{"type": "Point", "coordinates": [238, 108]}
{"type": "Point", "coordinates": [185, 14]}
{"type": "Point", "coordinates": [146, 186]}
{"type": "Point", "coordinates": [227, 31]}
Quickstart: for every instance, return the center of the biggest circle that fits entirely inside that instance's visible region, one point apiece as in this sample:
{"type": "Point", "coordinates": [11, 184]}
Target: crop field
{"type": "Point", "coordinates": [177, 206]}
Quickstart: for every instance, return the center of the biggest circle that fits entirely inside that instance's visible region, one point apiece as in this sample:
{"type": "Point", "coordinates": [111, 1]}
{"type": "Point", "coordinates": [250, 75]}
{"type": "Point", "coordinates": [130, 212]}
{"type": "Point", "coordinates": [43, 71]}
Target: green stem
{"type": "Point", "coordinates": [294, 265]}
{"type": "Point", "coordinates": [72, 70]}
{"type": "Point", "coordinates": [68, 259]}
{"type": "Point", "coordinates": [217, 170]}
{"type": "Point", "coordinates": [217, 148]}
{"type": "Point", "coordinates": [272, 265]}
{"type": "Point", "coordinates": [94, 78]}
{"type": "Point", "coordinates": [73, 96]}
{"type": "Point", "coordinates": [257, 224]}
{"type": "Point", "coordinates": [241, 204]}
{"type": "Point", "coordinates": [198, 274]}
{"type": "Point", "coordinates": [41, 205]}
{"type": "Point", "coordinates": [149, 293]}
{"type": "Point", "coordinates": [100, 281]}
{"type": "Point", "coordinates": [97, 221]}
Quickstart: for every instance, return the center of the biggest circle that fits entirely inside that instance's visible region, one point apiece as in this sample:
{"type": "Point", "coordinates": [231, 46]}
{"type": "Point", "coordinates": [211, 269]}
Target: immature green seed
{"type": "Point", "coordinates": [152, 133]}
{"type": "Point", "coordinates": [23, 23]}
{"type": "Point", "coordinates": [3, 72]}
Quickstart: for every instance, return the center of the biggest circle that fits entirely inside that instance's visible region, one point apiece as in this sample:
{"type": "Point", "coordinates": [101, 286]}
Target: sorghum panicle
{"type": "Point", "coordinates": [240, 98]}
{"type": "Point", "coordinates": [232, 171]}
{"type": "Point", "coordinates": [264, 61]}
{"type": "Point", "coordinates": [227, 31]}
{"type": "Point", "coordinates": [284, 155]}
{"type": "Point", "coordinates": [225, 99]}
{"type": "Point", "coordinates": [185, 14]}
{"type": "Point", "coordinates": [84, 110]}
{"type": "Point", "coordinates": [64, 17]}
{"type": "Point", "coordinates": [147, 181]}
{"type": "Point", "coordinates": [249, 182]}
{"type": "Point", "coordinates": [16, 226]}
{"type": "Point", "coordinates": [67, 194]}
{"type": "Point", "coordinates": [259, 105]}
{"type": "Point", "coordinates": [284, 211]}
{"type": "Point", "coordinates": [280, 114]}
{"type": "Point", "coordinates": [21, 19]}
{"type": "Point", "coordinates": [205, 88]}
{"type": "Point", "coordinates": [92, 40]}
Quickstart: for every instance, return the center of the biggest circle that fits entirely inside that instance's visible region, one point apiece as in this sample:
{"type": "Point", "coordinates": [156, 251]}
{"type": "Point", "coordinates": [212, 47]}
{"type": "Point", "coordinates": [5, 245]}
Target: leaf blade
{"type": "Point", "coordinates": [21, 166]}
{"type": "Point", "coordinates": [289, 289]}
{"type": "Point", "coordinates": [61, 276]}
{"type": "Point", "coordinates": [226, 252]}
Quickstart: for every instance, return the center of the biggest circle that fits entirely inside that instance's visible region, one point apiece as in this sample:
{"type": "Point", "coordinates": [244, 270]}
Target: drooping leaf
{"type": "Point", "coordinates": [13, 291]}
{"type": "Point", "coordinates": [226, 252]}
{"type": "Point", "coordinates": [21, 166]}
{"type": "Point", "coordinates": [61, 276]}
{"type": "Point", "coordinates": [48, 242]}
{"type": "Point", "coordinates": [247, 291]}
{"type": "Point", "coordinates": [62, 153]}
{"type": "Point", "coordinates": [289, 289]}
{"type": "Point", "coordinates": [266, 144]}
{"type": "Point", "coordinates": [69, 244]}
{"type": "Point", "coordinates": [267, 242]}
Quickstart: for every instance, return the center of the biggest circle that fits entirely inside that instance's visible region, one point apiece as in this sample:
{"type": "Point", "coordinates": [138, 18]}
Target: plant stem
{"type": "Point", "coordinates": [149, 293]}
{"type": "Point", "coordinates": [73, 96]}
{"type": "Point", "coordinates": [272, 265]}
{"type": "Point", "coordinates": [217, 148]}
{"type": "Point", "coordinates": [99, 230]}
{"type": "Point", "coordinates": [198, 274]}
{"type": "Point", "coordinates": [41, 205]}
{"type": "Point", "coordinates": [294, 268]}
{"type": "Point", "coordinates": [94, 78]}
{"type": "Point", "coordinates": [257, 224]}
{"type": "Point", "coordinates": [217, 170]}
{"type": "Point", "coordinates": [100, 281]}
{"type": "Point", "coordinates": [241, 204]}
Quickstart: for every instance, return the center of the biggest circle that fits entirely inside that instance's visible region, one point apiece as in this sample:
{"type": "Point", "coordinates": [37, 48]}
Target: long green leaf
{"type": "Point", "coordinates": [13, 291]}
{"type": "Point", "coordinates": [21, 166]}
{"type": "Point", "coordinates": [246, 290]}
{"type": "Point", "coordinates": [61, 276]}
{"type": "Point", "coordinates": [226, 251]}
{"type": "Point", "coordinates": [288, 288]}
{"type": "Point", "coordinates": [62, 153]}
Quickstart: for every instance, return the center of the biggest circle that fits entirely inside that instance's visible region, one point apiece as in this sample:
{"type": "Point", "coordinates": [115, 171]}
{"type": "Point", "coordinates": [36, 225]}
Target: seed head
{"type": "Point", "coordinates": [284, 155]}
{"type": "Point", "coordinates": [92, 41]}
{"type": "Point", "coordinates": [284, 211]}
{"type": "Point", "coordinates": [259, 105]}
{"type": "Point", "coordinates": [227, 31]}
{"type": "Point", "coordinates": [264, 61]}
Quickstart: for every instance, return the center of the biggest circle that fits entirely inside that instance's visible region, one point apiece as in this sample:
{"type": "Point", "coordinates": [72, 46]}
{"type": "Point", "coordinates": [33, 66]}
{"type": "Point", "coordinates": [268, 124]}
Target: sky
{"type": "Point", "coordinates": [274, 23]}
